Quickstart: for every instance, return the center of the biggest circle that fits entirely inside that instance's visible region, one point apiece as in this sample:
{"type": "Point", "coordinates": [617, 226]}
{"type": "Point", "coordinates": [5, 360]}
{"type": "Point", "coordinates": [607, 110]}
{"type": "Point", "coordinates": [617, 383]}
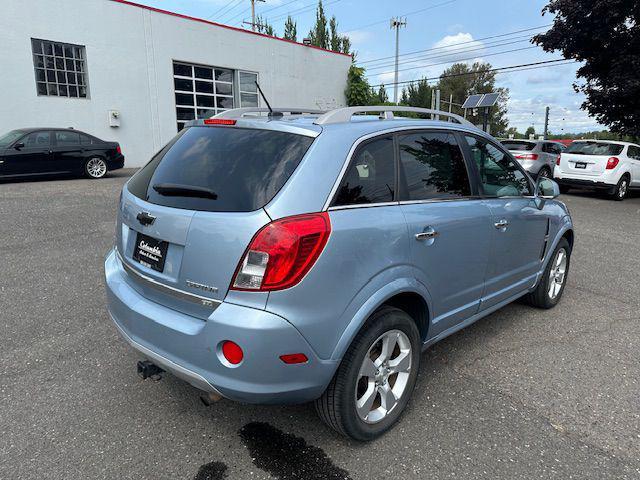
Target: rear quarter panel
{"type": "Point", "coordinates": [367, 253]}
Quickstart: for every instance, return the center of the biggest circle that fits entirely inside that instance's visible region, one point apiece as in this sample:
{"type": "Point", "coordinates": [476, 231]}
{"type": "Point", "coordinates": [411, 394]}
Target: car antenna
{"type": "Point", "coordinates": [271, 112]}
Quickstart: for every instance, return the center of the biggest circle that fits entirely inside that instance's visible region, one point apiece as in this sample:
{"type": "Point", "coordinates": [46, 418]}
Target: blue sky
{"type": "Point", "coordinates": [442, 31]}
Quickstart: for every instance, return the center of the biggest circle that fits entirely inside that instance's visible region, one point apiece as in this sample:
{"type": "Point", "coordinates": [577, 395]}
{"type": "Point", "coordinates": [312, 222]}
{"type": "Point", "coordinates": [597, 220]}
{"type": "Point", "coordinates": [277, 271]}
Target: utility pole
{"type": "Point", "coordinates": [253, 13]}
{"type": "Point", "coordinates": [397, 22]}
{"type": "Point", "coordinates": [546, 123]}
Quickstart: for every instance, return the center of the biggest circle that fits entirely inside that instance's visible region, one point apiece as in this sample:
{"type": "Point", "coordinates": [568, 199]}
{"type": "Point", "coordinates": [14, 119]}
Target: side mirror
{"type": "Point", "coordinates": [547, 188]}
{"type": "Point", "coordinates": [19, 145]}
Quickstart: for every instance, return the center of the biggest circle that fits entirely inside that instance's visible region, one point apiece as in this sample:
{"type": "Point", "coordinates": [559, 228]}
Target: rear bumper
{"type": "Point", "coordinates": [604, 181]}
{"type": "Point", "coordinates": [582, 183]}
{"type": "Point", "coordinates": [188, 347]}
{"type": "Point", "coordinates": [116, 163]}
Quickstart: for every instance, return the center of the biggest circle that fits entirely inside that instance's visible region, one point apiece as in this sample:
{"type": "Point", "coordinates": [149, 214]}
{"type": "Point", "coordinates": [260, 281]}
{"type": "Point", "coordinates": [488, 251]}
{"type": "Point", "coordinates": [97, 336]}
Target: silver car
{"type": "Point", "coordinates": [538, 157]}
{"type": "Point", "coordinates": [314, 257]}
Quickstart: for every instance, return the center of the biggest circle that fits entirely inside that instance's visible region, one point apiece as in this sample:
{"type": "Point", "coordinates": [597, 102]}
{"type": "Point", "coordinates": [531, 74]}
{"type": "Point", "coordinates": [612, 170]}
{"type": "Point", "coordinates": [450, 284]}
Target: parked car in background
{"type": "Point", "coordinates": [314, 257]}
{"type": "Point", "coordinates": [600, 164]}
{"type": "Point", "coordinates": [538, 157]}
{"type": "Point", "coordinates": [48, 151]}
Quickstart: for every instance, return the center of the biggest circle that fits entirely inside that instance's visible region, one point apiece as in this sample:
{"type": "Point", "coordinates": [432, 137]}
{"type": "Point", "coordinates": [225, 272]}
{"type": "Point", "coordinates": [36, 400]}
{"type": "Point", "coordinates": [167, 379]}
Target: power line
{"type": "Point", "coordinates": [458, 60]}
{"type": "Point", "coordinates": [456, 44]}
{"type": "Point", "coordinates": [239, 15]}
{"type": "Point", "coordinates": [301, 10]}
{"type": "Point", "coordinates": [228, 7]}
{"type": "Point", "coordinates": [448, 2]}
{"type": "Point", "coordinates": [280, 6]}
{"type": "Point", "coordinates": [449, 53]}
{"type": "Point", "coordinates": [532, 66]}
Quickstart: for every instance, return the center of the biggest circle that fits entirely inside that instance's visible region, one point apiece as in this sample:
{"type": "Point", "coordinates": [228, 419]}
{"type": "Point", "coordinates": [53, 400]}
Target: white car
{"type": "Point", "coordinates": [599, 164]}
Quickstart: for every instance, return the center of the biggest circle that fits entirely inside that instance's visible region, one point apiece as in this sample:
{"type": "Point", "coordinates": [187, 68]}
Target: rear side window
{"type": "Point", "coordinates": [370, 177]}
{"type": "Point", "coordinates": [633, 152]}
{"type": "Point", "coordinates": [527, 146]}
{"type": "Point", "coordinates": [64, 139]}
{"type": "Point", "coordinates": [220, 169]}
{"type": "Point", "coordinates": [432, 167]}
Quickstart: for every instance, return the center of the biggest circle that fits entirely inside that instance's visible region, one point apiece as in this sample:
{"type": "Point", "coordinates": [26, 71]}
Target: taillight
{"type": "Point", "coordinates": [219, 121]}
{"type": "Point", "coordinates": [118, 149]}
{"type": "Point", "coordinates": [558, 160]}
{"type": "Point", "coordinates": [612, 163]}
{"type": "Point", "coordinates": [527, 156]}
{"type": "Point", "coordinates": [282, 253]}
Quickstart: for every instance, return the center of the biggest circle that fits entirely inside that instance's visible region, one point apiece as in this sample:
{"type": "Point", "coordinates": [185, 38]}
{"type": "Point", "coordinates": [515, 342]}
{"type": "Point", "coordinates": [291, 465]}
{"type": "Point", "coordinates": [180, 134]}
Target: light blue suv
{"type": "Point", "coordinates": [312, 256]}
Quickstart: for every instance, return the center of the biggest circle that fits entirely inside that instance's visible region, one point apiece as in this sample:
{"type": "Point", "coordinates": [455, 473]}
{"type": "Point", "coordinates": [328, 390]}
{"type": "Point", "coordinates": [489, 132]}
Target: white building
{"type": "Point", "coordinates": [134, 74]}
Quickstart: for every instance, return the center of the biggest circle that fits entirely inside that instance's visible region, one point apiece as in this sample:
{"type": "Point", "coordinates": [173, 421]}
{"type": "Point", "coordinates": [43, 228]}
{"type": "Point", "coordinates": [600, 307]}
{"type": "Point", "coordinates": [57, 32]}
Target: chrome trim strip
{"type": "Point", "coordinates": [362, 205]}
{"type": "Point", "coordinates": [179, 371]}
{"type": "Point", "coordinates": [181, 294]}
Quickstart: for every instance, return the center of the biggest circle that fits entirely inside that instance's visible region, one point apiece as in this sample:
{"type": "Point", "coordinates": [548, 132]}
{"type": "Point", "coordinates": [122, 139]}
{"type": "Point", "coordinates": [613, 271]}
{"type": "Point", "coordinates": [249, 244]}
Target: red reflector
{"type": "Point", "coordinates": [232, 352]}
{"type": "Point", "coordinates": [612, 163]}
{"type": "Point", "coordinates": [282, 253]}
{"type": "Point", "coordinates": [292, 358]}
{"type": "Point", "coordinates": [527, 156]}
{"type": "Point", "coordinates": [219, 121]}
{"type": "Point", "coordinates": [558, 160]}
{"type": "Point", "coordinates": [118, 149]}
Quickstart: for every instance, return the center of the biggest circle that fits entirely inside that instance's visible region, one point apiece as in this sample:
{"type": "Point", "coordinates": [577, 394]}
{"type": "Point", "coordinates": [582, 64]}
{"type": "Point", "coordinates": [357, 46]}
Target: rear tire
{"type": "Point", "coordinates": [95, 168]}
{"type": "Point", "coordinates": [551, 286]}
{"type": "Point", "coordinates": [621, 190]}
{"type": "Point", "coordinates": [544, 172]}
{"type": "Point", "coordinates": [353, 403]}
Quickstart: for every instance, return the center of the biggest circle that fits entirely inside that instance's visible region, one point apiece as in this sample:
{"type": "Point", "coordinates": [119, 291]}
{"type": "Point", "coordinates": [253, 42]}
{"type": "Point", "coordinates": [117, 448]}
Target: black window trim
{"type": "Point", "coordinates": [52, 137]}
{"type": "Point", "coordinates": [466, 148]}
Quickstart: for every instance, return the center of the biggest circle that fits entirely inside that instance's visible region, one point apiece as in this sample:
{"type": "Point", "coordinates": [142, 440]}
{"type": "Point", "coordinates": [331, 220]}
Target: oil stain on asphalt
{"type": "Point", "coordinates": [212, 471]}
{"type": "Point", "coordinates": [287, 457]}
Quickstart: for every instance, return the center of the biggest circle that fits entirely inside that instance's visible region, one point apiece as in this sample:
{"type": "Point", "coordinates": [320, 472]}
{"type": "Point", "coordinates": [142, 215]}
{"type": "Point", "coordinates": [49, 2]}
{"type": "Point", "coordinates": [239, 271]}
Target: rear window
{"type": "Point", "coordinates": [595, 148]}
{"type": "Point", "coordinates": [220, 169]}
{"type": "Point", "coordinates": [519, 145]}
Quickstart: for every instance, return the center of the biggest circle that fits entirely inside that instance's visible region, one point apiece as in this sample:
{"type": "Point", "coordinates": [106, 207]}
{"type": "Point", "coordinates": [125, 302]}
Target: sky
{"type": "Point", "coordinates": [441, 32]}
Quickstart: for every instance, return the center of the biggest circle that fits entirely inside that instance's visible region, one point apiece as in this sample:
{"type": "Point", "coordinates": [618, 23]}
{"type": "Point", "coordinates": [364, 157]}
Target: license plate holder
{"type": "Point", "coordinates": [150, 252]}
{"type": "Point", "coordinates": [581, 165]}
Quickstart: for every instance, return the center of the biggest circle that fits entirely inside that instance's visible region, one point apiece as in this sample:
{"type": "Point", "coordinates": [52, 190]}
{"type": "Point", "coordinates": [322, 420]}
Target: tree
{"type": "Point", "coordinates": [380, 97]}
{"type": "Point", "coordinates": [335, 40]}
{"type": "Point", "coordinates": [319, 34]}
{"type": "Point", "coordinates": [418, 94]}
{"type": "Point", "coordinates": [358, 89]}
{"type": "Point", "coordinates": [290, 30]}
{"type": "Point", "coordinates": [605, 36]}
{"type": "Point", "coordinates": [530, 131]}
{"type": "Point", "coordinates": [513, 131]}
{"type": "Point", "coordinates": [462, 80]}
{"type": "Point", "coordinates": [346, 46]}
{"type": "Point", "coordinates": [263, 26]}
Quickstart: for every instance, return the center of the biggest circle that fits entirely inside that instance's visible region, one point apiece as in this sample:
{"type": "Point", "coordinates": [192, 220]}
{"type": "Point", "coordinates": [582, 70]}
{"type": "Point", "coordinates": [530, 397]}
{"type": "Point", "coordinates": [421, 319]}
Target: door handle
{"type": "Point", "coordinates": [428, 234]}
{"type": "Point", "coordinates": [501, 224]}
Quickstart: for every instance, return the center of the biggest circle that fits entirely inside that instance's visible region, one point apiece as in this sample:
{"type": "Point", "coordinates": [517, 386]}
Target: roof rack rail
{"type": "Point", "coordinates": [343, 115]}
{"type": "Point", "coordinates": [241, 112]}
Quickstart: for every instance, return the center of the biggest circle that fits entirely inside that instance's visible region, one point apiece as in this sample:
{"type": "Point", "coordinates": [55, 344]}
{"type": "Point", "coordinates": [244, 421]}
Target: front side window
{"type": "Point", "coordinates": [37, 139]}
{"type": "Point", "coordinates": [60, 68]}
{"type": "Point", "coordinates": [8, 138]}
{"type": "Point", "coordinates": [499, 174]}
{"type": "Point", "coordinates": [634, 152]}
{"type": "Point", "coordinates": [432, 167]}
{"type": "Point", "coordinates": [370, 177]}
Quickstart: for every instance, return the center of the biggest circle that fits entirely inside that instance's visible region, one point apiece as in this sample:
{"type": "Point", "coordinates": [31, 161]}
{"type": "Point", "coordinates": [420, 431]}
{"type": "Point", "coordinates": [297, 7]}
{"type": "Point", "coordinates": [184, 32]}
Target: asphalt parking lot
{"type": "Point", "coordinates": [523, 393]}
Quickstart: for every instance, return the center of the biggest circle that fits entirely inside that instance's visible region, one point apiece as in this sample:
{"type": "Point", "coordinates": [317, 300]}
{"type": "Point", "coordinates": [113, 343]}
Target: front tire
{"type": "Point", "coordinates": [376, 377]}
{"type": "Point", "coordinates": [95, 168]}
{"type": "Point", "coordinates": [551, 286]}
{"type": "Point", "coordinates": [621, 190]}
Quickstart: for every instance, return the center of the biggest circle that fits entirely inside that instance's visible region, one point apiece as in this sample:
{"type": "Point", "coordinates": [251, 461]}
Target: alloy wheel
{"type": "Point", "coordinates": [96, 167]}
{"type": "Point", "coordinates": [383, 376]}
{"type": "Point", "coordinates": [622, 190]}
{"type": "Point", "coordinates": [558, 273]}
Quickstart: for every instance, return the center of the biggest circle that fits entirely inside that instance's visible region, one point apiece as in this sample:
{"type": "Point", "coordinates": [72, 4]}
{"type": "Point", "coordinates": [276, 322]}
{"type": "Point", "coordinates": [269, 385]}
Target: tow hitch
{"type": "Point", "coordinates": [146, 369]}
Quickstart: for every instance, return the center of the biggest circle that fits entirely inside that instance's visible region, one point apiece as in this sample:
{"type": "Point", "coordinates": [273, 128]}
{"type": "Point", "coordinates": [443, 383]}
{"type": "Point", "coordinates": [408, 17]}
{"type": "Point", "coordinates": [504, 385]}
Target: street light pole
{"type": "Point", "coordinates": [396, 23]}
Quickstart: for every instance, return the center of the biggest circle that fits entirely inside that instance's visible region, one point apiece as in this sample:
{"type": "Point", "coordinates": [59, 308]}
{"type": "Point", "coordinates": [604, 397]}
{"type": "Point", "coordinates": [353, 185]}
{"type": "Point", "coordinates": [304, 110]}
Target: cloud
{"type": "Point", "coordinates": [456, 47]}
{"type": "Point", "coordinates": [359, 37]}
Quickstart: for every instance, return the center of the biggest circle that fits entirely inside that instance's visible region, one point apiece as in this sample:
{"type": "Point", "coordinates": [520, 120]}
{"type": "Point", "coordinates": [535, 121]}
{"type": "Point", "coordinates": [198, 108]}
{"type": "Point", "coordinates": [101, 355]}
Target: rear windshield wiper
{"type": "Point", "coordinates": [177, 190]}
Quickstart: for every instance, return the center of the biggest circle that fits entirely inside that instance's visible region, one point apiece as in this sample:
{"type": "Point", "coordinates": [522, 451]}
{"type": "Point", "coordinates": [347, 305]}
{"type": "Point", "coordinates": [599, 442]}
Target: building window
{"type": "Point", "coordinates": [248, 89]}
{"type": "Point", "coordinates": [202, 91]}
{"type": "Point", "coordinates": [61, 68]}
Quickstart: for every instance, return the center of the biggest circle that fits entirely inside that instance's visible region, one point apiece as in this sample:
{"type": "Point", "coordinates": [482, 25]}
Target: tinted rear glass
{"type": "Point", "coordinates": [595, 148]}
{"type": "Point", "coordinates": [242, 168]}
{"type": "Point", "coordinates": [519, 145]}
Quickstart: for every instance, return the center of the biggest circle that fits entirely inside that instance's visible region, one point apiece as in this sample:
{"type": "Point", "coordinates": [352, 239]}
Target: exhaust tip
{"type": "Point", "coordinates": [146, 369]}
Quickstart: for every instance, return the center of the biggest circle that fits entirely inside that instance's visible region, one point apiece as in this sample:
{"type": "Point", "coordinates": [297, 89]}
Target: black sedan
{"type": "Point", "coordinates": [40, 151]}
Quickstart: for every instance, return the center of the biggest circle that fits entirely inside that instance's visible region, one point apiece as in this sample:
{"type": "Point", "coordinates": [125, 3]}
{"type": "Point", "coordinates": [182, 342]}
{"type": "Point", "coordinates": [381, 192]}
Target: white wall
{"type": "Point", "coordinates": [130, 51]}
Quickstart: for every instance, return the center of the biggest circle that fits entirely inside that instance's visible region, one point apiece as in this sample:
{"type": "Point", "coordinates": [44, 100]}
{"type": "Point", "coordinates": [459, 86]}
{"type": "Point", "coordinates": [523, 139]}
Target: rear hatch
{"type": "Point", "coordinates": [588, 158]}
{"type": "Point", "coordinates": [189, 214]}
